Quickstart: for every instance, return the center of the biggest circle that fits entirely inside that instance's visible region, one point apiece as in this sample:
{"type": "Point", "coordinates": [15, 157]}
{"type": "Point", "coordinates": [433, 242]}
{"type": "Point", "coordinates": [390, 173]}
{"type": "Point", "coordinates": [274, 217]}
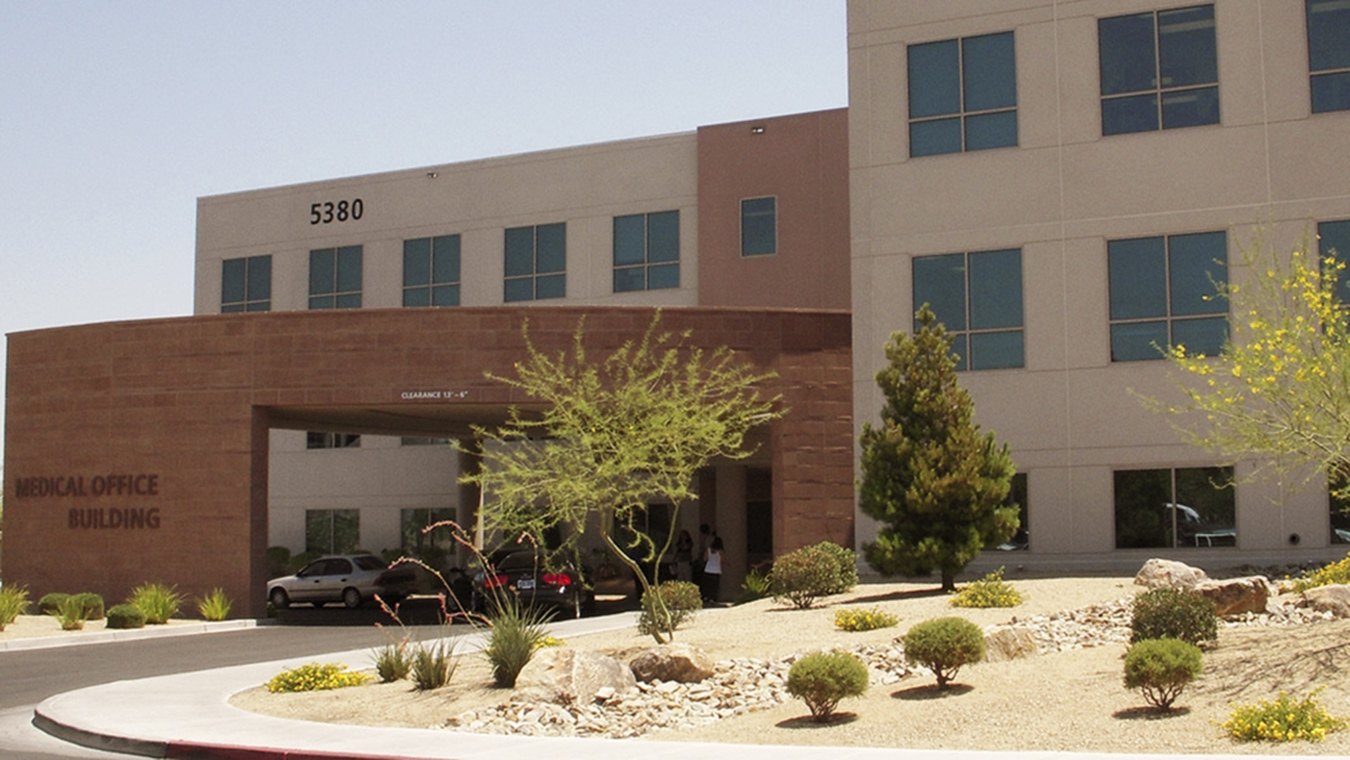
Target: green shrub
{"type": "Point", "coordinates": [1162, 668]}
{"type": "Point", "coordinates": [125, 616]}
{"type": "Point", "coordinates": [821, 679]}
{"type": "Point", "coordinates": [863, 620]}
{"type": "Point", "coordinates": [393, 661]}
{"type": "Point", "coordinates": [93, 605]}
{"type": "Point", "coordinates": [13, 603]}
{"type": "Point", "coordinates": [48, 604]}
{"type": "Point", "coordinates": [943, 645]}
{"type": "Point", "coordinates": [71, 613]}
{"type": "Point", "coordinates": [278, 561]}
{"type": "Point", "coordinates": [847, 561]}
{"type": "Point", "coordinates": [316, 677]}
{"type": "Point", "coordinates": [757, 585]}
{"type": "Point", "coordinates": [515, 634]}
{"type": "Point", "coordinates": [433, 664]}
{"type": "Point", "coordinates": [1165, 613]}
{"type": "Point", "coordinates": [215, 605]}
{"type": "Point", "coordinates": [989, 591]}
{"type": "Point", "coordinates": [158, 601]}
{"type": "Point", "coordinates": [1326, 575]}
{"type": "Point", "coordinates": [1283, 720]}
{"type": "Point", "coordinates": [803, 575]}
{"type": "Point", "coordinates": [681, 599]}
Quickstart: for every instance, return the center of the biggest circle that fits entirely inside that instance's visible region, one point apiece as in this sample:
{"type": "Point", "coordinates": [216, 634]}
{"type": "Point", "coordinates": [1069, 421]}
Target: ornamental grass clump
{"type": "Point", "coordinates": [13, 603]}
{"type": "Point", "coordinates": [393, 661]}
{"type": "Point", "coordinates": [989, 591]}
{"type": "Point", "coordinates": [821, 679]}
{"type": "Point", "coordinates": [514, 637]}
{"type": "Point", "coordinates": [214, 606]}
{"type": "Point", "coordinates": [943, 645]}
{"type": "Point", "coordinates": [316, 677]}
{"type": "Point", "coordinates": [122, 616]}
{"type": "Point", "coordinates": [1284, 719]}
{"type": "Point", "coordinates": [855, 620]}
{"type": "Point", "coordinates": [1165, 613]}
{"type": "Point", "coordinates": [680, 600]}
{"type": "Point", "coordinates": [71, 612]}
{"type": "Point", "coordinates": [1162, 668]}
{"type": "Point", "coordinates": [757, 585]}
{"type": "Point", "coordinates": [158, 601]}
{"type": "Point", "coordinates": [433, 665]}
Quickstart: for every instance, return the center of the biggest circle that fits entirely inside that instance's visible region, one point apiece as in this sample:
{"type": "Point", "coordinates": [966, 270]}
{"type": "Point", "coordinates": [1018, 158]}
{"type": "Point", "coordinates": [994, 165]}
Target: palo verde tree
{"type": "Point", "coordinates": [613, 435]}
{"type": "Point", "coordinates": [1278, 392]}
{"type": "Point", "coordinates": [937, 485]}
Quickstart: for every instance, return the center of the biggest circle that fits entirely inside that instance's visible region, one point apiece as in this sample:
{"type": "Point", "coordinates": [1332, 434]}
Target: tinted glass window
{"type": "Point", "coordinates": [1186, 47]}
{"type": "Point", "coordinates": [978, 298]}
{"type": "Point", "coordinates": [759, 226]}
{"type": "Point", "coordinates": [962, 94]}
{"type": "Point", "coordinates": [535, 262]}
{"type": "Point", "coordinates": [1333, 239]}
{"type": "Point", "coordinates": [1161, 291]}
{"type": "Point", "coordinates": [1328, 34]}
{"type": "Point", "coordinates": [1154, 70]}
{"type": "Point", "coordinates": [335, 278]}
{"type": "Point", "coordinates": [934, 79]}
{"type": "Point", "coordinates": [940, 282]}
{"type": "Point", "coordinates": [1138, 278]}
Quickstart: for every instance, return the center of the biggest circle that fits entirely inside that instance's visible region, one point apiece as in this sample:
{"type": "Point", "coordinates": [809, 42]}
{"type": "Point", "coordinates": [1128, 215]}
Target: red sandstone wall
{"type": "Point", "coordinates": [189, 401]}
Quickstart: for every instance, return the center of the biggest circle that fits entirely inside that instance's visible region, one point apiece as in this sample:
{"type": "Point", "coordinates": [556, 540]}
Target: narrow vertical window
{"type": "Point", "coordinates": [1329, 54]}
{"type": "Point", "coordinates": [759, 226]}
{"type": "Point", "coordinates": [647, 251]}
{"type": "Point", "coordinates": [431, 271]}
{"type": "Point", "coordinates": [335, 278]}
{"type": "Point", "coordinates": [535, 262]}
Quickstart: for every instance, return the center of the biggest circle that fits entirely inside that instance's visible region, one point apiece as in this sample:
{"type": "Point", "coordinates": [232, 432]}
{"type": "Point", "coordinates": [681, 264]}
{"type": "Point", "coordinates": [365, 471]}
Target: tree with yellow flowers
{"type": "Point", "coordinates": [1279, 391]}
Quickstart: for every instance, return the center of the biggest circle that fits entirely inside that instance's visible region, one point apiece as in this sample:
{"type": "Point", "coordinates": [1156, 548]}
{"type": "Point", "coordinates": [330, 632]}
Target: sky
{"type": "Point", "coordinates": [116, 116]}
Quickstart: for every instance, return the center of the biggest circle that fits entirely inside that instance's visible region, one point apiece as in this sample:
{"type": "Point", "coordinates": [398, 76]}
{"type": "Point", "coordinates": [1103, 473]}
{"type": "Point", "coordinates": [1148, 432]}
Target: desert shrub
{"type": "Point", "coordinates": [158, 601]}
{"type": "Point", "coordinates": [49, 602]}
{"type": "Point", "coordinates": [1165, 613]}
{"type": "Point", "coordinates": [433, 665]}
{"type": "Point", "coordinates": [513, 638]}
{"type": "Point", "coordinates": [1284, 719]}
{"type": "Point", "coordinates": [215, 605]}
{"type": "Point", "coordinates": [549, 641]}
{"type": "Point", "coordinates": [393, 661]}
{"type": "Point", "coordinates": [125, 616]}
{"type": "Point", "coordinates": [93, 605]}
{"type": "Point", "coordinates": [316, 677]}
{"type": "Point", "coordinates": [943, 645]}
{"type": "Point", "coordinates": [1333, 573]}
{"type": "Point", "coordinates": [847, 561]}
{"type": "Point", "coordinates": [863, 620]}
{"type": "Point", "coordinates": [757, 585]}
{"type": "Point", "coordinates": [71, 613]}
{"type": "Point", "coordinates": [989, 591]}
{"type": "Point", "coordinates": [821, 679]}
{"type": "Point", "coordinates": [1162, 668]}
{"type": "Point", "coordinates": [13, 603]}
{"type": "Point", "coordinates": [803, 575]}
{"type": "Point", "coordinates": [681, 599]}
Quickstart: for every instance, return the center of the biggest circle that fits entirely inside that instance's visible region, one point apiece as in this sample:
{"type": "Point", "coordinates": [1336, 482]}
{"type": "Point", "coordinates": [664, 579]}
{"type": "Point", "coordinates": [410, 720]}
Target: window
{"type": "Point", "coordinates": [759, 226]}
{"type": "Point", "coordinates": [978, 297]}
{"type": "Point", "coordinates": [1329, 54]}
{"type": "Point", "coordinates": [1164, 292]}
{"type": "Point", "coordinates": [431, 271]}
{"type": "Point", "coordinates": [412, 521]}
{"type": "Point", "coordinates": [335, 278]}
{"type": "Point", "coordinates": [1333, 239]}
{"type": "Point", "coordinates": [647, 251]}
{"type": "Point", "coordinates": [1158, 69]}
{"type": "Point", "coordinates": [409, 440]}
{"type": "Point", "coordinates": [1190, 507]}
{"type": "Point", "coordinates": [316, 440]}
{"type": "Point", "coordinates": [332, 531]}
{"type": "Point", "coordinates": [1017, 494]}
{"type": "Point", "coordinates": [246, 284]}
{"type": "Point", "coordinates": [536, 262]}
{"type": "Point", "coordinates": [962, 95]}
{"type": "Point", "coordinates": [1339, 509]}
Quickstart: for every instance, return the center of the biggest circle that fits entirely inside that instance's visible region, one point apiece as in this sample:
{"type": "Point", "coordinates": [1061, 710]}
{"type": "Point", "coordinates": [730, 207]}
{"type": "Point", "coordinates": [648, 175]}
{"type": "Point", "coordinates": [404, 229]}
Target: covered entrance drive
{"type": "Point", "coordinates": [138, 451]}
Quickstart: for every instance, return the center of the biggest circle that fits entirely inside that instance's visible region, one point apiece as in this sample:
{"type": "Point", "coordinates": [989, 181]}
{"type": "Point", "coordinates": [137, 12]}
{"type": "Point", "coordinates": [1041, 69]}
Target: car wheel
{"type": "Point", "coordinates": [279, 599]}
{"type": "Point", "coordinates": [351, 598]}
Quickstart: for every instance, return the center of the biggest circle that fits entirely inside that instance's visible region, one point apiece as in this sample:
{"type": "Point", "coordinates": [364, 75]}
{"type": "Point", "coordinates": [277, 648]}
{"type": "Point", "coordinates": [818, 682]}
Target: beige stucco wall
{"type": "Point", "coordinates": [1070, 415]}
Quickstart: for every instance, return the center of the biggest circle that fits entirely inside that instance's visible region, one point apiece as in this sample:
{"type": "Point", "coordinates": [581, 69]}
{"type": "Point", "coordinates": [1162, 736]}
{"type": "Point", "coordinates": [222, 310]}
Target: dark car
{"type": "Point", "coordinates": [522, 574]}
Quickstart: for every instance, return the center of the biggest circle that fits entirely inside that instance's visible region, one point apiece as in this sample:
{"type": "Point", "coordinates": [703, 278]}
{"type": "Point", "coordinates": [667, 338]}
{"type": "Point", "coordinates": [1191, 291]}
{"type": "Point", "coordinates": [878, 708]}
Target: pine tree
{"type": "Point", "coordinates": [937, 485]}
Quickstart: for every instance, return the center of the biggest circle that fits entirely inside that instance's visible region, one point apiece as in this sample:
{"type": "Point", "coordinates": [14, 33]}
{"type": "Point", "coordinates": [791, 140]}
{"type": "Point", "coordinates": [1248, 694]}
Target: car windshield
{"type": "Point", "coordinates": [369, 563]}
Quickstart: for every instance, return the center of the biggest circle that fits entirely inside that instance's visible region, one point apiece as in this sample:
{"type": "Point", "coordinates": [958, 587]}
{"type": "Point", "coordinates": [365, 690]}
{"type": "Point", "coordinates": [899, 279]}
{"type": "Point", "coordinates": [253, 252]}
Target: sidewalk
{"type": "Point", "coordinates": [189, 716]}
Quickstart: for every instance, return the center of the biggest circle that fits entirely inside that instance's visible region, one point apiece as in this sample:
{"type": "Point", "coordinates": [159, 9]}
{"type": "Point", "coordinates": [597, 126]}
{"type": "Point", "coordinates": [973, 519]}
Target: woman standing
{"type": "Point", "coordinates": [712, 572]}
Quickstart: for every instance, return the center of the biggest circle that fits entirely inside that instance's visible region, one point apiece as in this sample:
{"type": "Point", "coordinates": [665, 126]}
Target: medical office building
{"type": "Point", "coordinates": [1060, 180]}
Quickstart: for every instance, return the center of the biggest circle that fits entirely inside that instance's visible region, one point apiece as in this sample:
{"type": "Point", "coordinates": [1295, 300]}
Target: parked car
{"type": "Point", "coordinates": [350, 578]}
{"type": "Point", "coordinates": [565, 591]}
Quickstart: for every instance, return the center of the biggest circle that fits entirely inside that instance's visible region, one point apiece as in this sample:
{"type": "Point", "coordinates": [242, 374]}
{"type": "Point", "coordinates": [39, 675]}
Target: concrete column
{"type": "Point", "coordinates": [730, 525]}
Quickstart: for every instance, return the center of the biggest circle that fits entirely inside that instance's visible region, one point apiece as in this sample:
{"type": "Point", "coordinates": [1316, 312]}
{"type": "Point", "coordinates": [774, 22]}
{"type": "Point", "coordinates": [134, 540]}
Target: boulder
{"type": "Point", "coordinates": [1166, 573]}
{"type": "Point", "coordinates": [672, 662]}
{"type": "Point", "coordinates": [1234, 596]}
{"type": "Point", "coordinates": [567, 676]}
{"type": "Point", "coordinates": [1334, 599]}
{"type": "Point", "coordinates": [1008, 642]}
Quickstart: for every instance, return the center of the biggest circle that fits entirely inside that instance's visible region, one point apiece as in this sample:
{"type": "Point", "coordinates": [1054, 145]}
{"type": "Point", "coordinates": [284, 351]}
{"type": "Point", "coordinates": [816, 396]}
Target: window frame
{"type": "Point", "coordinates": [337, 297]}
{"type": "Point", "coordinates": [1170, 316]}
{"type": "Point", "coordinates": [251, 301]}
{"type": "Point", "coordinates": [319, 440]}
{"type": "Point", "coordinates": [1195, 517]}
{"type": "Point", "coordinates": [773, 249]}
{"type": "Point", "coordinates": [963, 115]}
{"type": "Point", "coordinates": [535, 277]}
{"type": "Point", "coordinates": [963, 336]}
{"type": "Point", "coordinates": [433, 287]}
{"type": "Point", "coordinates": [313, 518]}
{"type": "Point", "coordinates": [1158, 90]}
{"type": "Point", "coordinates": [1317, 73]}
{"type": "Point", "coordinates": [647, 264]}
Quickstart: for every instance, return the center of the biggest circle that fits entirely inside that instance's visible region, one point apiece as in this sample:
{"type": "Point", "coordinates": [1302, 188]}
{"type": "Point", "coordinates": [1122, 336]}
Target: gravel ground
{"type": "Point", "coordinates": [1071, 701]}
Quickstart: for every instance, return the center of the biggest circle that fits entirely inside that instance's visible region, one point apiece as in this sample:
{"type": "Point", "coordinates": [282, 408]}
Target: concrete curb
{"type": "Point", "coordinates": [81, 638]}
